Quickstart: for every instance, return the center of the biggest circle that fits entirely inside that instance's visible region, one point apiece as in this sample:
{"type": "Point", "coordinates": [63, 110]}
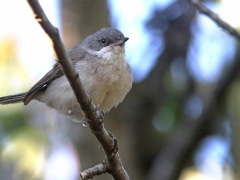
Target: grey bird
{"type": "Point", "coordinates": [102, 66]}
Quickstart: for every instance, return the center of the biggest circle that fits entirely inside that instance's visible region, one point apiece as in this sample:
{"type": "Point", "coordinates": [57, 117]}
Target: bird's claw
{"type": "Point", "coordinates": [84, 122]}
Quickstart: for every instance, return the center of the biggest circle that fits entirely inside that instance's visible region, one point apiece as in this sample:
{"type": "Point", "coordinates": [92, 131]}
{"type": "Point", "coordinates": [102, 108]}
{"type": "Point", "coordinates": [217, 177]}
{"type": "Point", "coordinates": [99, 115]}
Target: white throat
{"type": "Point", "coordinates": [109, 52]}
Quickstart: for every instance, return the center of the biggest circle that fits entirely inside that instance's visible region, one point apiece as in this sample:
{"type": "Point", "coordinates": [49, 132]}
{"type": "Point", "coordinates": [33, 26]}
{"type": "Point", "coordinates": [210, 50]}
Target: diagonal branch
{"type": "Point", "coordinates": [90, 111]}
{"type": "Point", "coordinates": [203, 9]}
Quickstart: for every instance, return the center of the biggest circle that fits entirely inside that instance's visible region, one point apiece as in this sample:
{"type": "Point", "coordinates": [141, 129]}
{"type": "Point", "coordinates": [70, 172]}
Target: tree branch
{"type": "Point", "coordinates": [90, 111]}
{"type": "Point", "coordinates": [203, 9]}
{"type": "Point", "coordinates": [94, 171]}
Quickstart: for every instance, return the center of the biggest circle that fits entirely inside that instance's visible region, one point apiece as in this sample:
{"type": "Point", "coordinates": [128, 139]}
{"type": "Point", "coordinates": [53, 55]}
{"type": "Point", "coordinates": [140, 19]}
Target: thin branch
{"type": "Point", "coordinates": [90, 111]}
{"type": "Point", "coordinates": [94, 171]}
{"type": "Point", "coordinates": [203, 9]}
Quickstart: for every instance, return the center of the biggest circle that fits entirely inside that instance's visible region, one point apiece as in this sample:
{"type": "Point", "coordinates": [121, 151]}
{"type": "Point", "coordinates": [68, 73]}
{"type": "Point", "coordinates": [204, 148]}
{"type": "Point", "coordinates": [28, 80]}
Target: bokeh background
{"type": "Point", "coordinates": [181, 120]}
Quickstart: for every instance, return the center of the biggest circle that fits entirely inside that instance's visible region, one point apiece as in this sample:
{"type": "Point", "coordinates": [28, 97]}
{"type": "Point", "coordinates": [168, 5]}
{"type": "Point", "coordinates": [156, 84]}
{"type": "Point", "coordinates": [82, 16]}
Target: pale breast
{"type": "Point", "coordinates": [117, 91]}
{"type": "Point", "coordinates": [110, 78]}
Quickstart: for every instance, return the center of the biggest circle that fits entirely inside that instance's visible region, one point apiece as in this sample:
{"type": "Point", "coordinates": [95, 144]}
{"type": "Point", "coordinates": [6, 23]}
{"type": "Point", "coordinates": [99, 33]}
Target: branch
{"type": "Point", "coordinates": [90, 111]}
{"type": "Point", "coordinates": [96, 170]}
{"type": "Point", "coordinates": [203, 9]}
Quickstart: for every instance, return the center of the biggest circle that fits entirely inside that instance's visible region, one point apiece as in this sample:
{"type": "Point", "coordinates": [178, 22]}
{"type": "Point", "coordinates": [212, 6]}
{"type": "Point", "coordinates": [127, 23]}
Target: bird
{"type": "Point", "coordinates": [101, 63]}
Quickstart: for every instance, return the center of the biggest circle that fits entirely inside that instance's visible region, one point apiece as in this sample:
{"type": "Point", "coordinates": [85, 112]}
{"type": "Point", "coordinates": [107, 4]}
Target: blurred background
{"type": "Point", "coordinates": [180, 121]}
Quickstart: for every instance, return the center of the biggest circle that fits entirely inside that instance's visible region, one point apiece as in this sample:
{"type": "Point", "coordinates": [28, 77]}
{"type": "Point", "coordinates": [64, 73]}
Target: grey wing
{"type": "Point", "coordinates": [75, 54]}
{"type": "Point", "coordinates": [54, 73]}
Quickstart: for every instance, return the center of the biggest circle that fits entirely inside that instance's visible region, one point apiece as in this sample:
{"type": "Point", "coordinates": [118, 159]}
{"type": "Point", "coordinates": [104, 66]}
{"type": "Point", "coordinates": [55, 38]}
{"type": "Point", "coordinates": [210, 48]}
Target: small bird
{"type": "Point", "coordinates": [102, 66]}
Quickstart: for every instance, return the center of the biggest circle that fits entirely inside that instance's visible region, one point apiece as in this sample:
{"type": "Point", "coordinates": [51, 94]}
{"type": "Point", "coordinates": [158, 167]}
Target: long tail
{"type": "Point", "coordinates": [16, 98]}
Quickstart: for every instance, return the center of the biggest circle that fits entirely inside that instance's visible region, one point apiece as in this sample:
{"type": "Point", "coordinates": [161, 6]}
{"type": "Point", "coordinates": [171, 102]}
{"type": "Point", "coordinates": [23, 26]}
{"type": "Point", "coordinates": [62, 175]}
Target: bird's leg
{"type": "Point", "coordinates": [71, 112]}
{"type": "Point", "coordinates": [84, 122]}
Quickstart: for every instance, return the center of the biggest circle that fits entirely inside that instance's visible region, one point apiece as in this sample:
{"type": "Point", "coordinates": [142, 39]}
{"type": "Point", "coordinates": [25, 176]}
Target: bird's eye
{"type": "Point", "coordinates": [103, 41]}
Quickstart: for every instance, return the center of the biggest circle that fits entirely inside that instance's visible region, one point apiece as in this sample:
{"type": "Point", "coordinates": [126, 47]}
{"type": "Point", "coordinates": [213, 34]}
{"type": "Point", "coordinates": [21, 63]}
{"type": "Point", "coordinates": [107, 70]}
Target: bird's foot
{"type": "Point", "coordinates": [101, 113]}
{"type": "Point", "coordinates": [84, 122]}
{"type": "Point", "coordinates": [74, 112]}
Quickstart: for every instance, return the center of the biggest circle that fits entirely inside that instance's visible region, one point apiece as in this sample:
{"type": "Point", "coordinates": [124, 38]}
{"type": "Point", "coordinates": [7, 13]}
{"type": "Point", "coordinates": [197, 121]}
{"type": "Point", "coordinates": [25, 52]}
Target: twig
{"type": "Point", "coordinates": [94, 171]}
{"type": "Point", "coordinates": [90, 111]}
{"type": "Point", "coordinates": [203, 9]}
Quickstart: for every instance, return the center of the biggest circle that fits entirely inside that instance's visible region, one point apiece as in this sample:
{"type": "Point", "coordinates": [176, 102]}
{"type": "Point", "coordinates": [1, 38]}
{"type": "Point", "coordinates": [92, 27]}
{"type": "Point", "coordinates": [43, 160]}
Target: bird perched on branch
{"type": "Point", "coordinates": [103, 69]}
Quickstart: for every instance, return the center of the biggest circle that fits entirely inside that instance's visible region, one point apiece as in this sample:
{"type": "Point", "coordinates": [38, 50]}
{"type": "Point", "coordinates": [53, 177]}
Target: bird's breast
{"type": "Point", "coordinates": [108, 79]}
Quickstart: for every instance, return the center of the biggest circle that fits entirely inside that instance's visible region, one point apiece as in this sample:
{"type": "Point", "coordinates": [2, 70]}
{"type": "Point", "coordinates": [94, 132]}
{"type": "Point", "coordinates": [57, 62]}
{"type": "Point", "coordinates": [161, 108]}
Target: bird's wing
{"type": "Point", "coordinates": [54, 73]}
{"type": "Point", "coordinates": [76, 54]}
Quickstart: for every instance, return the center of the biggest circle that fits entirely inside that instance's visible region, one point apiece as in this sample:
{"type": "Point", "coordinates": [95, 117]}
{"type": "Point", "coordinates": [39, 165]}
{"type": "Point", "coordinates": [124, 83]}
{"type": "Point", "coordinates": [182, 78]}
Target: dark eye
{"type": "Point", "coordinates": [103, 41]}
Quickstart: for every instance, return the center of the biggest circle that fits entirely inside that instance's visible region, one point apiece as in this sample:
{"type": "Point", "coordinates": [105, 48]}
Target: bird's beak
{"type": "Point", "coordinates": [121, 41]}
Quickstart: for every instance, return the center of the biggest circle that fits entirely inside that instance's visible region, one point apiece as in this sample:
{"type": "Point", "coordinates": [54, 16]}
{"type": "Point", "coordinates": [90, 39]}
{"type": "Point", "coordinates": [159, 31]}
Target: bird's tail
{"type": "Point", "coordinates": [16, 98]}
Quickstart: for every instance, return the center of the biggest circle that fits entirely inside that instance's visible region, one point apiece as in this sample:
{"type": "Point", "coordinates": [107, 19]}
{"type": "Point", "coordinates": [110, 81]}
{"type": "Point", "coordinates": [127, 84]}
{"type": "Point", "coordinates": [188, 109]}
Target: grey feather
{"type": "Point", "coordinates": [16, 98]}
{"type": "Point", "coordinates": [74, 54]}
{"type": "Point", "coordinates": [43, 83]}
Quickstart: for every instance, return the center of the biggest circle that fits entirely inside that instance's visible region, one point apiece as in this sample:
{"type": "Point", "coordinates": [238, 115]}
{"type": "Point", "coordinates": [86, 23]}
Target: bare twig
{"type": "Point", "coordinates": [96, 170]}
{"type": "Point", "coordinates": [90, 111]}
{"type": "Point", "coordinates": [203, 9]}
